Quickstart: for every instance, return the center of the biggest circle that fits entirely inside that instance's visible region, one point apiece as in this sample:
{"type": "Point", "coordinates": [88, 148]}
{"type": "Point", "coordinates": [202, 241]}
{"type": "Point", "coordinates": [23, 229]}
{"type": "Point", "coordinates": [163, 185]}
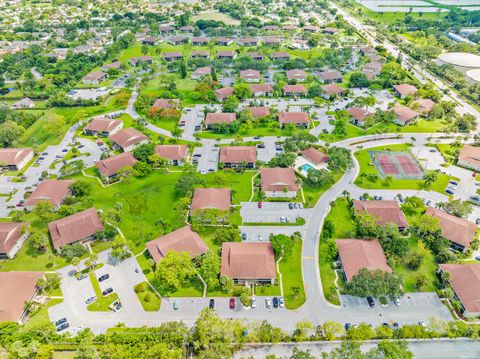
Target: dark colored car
{"type": "Point", "coordinates": [290, 205]}
{"type": "Point", "coordinates": [107, 291]}
{"type": "Point", "coordinates": [370, 301]}
{"type": "Point", "coordinates": [347, 326]}
{"type": "Point", "coordinates": [211, 304]}
{"type": "Point", "coordinates": [275, 302]}
{"type": "Point", "coordinates": [60, 322]}
{"type": "Point", "coordinates": [261, 145]}
{"type": "Point", "coordinates": [90, 300]}
{"type": "Point", "coordinates": [232, 303]}
{"type": "Point", "coordinates": [65, 150]}
{"type": "Point", "coordinates": [103, 277]}
{"type": "Point", "coordinates": [63, 327]}
{"type": "Point", "coordinates": [259, 204]}
{"type": "Point", "coordinates": [82, 276]}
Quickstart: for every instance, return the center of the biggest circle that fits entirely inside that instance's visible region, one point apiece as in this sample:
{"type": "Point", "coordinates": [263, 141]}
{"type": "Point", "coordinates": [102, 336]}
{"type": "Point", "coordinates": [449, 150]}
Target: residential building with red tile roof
{"type": "Point", "coordinates": [458, 231]}
{"type": "Point", "coordinates": [78, 227]}
{"type": "Point", "coordinates": [279, 182]}
{"type": "Point", "coordinates": [331, 76]}
{"type": "Point", "coordinates": [405, 90]}
{"type": "Point", "coordinates": [211, 198]}
{"type": "Point", "coordinates": [262, 89]}
{"type": "Point", "coordinates": [294, 90]}
{"type": "Point", "coordinates": [18, 288]}
{"type": "Point", "coordinates": [298, 118]}
{"type": "Point", "coordinates": [12, 237]}
{"type": "Point", "coordinates": [384, 212]}
{"type": "Point", "coordinates": [215, 118]}
{"type": "Point", "coordinates": [52, 190]}
{"type": "Point", "coordinates": [111, 166]}
{"type": "Point", "coordinates": [404, 115]}
{"type": "Point", "coordinates": [358, 115]}
{"type": "Point", "coordinates": [357, 254]}
{"type": "Point", "coordinates": [127, 139]}
{"type": "Point", "coordinates": [237, 156]}
{"type": "Point", "coordinates": [423, 105]}
{"type": "Point", "coordinates": [297, 75]}
{"type": "Point", "coordinates": [181, 240]}
{"type": "Point", "coordinates": [315, 156]}
{"type": "Point", "coordinates": [15, 158]}
{"type": "Point", "coordinates": [103, 127]}
{"type": "Point", "coordinates": [258, 112]}
{"type": "Point", "coordinates": [331, 90]}
{"type": "Point", "coordinates": [465, 283]}
{"type": "Point", "coordinates": [177, 155]}
{"type": "Point", "coordinates": [164, 103]}
{"type": "Point", "coordinates": [223, 93]}
{"type": "Point", "coordinates": [248, 262]}
{"type": "Point", "coordinates": [200, 72]}
{"type": "Point", "coordinates": [469, 157]}
{"type": "Point", "coordinates": [250, 75]}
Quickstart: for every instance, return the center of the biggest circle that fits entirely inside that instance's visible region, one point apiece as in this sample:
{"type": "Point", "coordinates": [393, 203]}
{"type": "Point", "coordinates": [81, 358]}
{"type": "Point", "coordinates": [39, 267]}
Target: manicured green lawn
{"type": "Point", "coordinates": [427, 268]}
{"type": "Point", "coordinates": [103, 302]}
{"type": "Point", "coordinates": [367, 167]}
{"type": "Point", "coordinates": [153, 302]}
{"type": "Point", "coordinates": [342, 218]}
{"type": "Point", "coordinates": [40, 318]}
{"type": "Point", "coordinates": [313, 194]}
{"type": "Point", "coordinates": [291, 269]}
{"type": "Point", "coordinates": [256, 130]}
{"type": "Point", "coordinates": [327, 274]}
{"type": "Point", "coordinates": [268, 290]}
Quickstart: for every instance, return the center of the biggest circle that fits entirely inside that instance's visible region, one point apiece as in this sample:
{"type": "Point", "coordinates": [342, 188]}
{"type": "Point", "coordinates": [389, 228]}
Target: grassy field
{"type": "Point", "coordinates": [158, 197]}
{"type": "Point", "coordinates": [367, 167]}
{"type": "Point", "coordinates": [256, 130]}
{"type": "Point", "coordinates": [313, 194]}
{"type": "Point", "coordinates": [422, 126]}
{"type": "Point", "coordinates": [344, 223]}
{"type": "Point", "coordinates": [149, 299]}
{"type": "Point", "coordinates": [102, 303]}
{"type": "Point", "coordinates": [291, 269]}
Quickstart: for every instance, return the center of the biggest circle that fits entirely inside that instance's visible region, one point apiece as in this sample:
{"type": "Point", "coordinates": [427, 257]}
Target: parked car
{"type": "Point", "coordinates": [259, 204]}
{"type": "Point", "coordinates": [244, 236]}
{"type": "Point", "coordinates": [433, 150]}
{"type": "Point", "coordinates": [82, 276]}
{"type": "Point", "coordinates": [116, 306]}
{"type": "Point", "coordinates": [422, 323]}
{"type": "Point", "coordinates": [65, 150]}
{"type": "Point", "coordinates": [396, 301]}
{"type": "Point", "coordinates": [370, 301]}
{"type": "Point", "coordinates": [60, 322]}
{"type": "Point", "coordinates": [455, 183]}
{"type": "Point", "coordinates": [20, 203]}
{"type": "Point", "coordinates": [211, 304]}
{"type": "Point", "coordinates": [90, 300]}
{"type": "Point", "coordinates": [395, 325]}
{"type": "Point", "coordinates": [477, 221]}
{"type": "Point", "coordinates": [347, 326]}
{"type": "Point", "coordinates": [290, 205]}
{"type": "Point", "coordinates": [232, 303]}
{"type": "Point", "coordinates": [261, 145]}
{"type": "Point", "coordinates": [474, 174]}
{"type": "Point", "coordinates": [103, 277]}
{"type": "Point", "coordinates": [449, 191]}
{"type": "Point", "coordinates": [275, 302]}
{"type": "Point", "coordinates": [63, 327]}
{"type": "Point", "coordinates": [268, 303]}
{"type": "Point", "coordinates": [253, 303]}
{"type": "Point", "coordinates": [175, 305]}
{"type": "Point", "coordinates": [107, 291]}
{"type": "Point", "coordinates": [281, 302]}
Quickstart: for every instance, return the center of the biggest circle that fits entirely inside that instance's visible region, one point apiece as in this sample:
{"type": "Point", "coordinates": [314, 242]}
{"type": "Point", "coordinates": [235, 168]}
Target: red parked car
{"type": "Point", "coordinates": [474, 174]}
{"type": "Point", "coordinates": [259, 204]}
{"type": "Point", "coordinates": [232, 303]}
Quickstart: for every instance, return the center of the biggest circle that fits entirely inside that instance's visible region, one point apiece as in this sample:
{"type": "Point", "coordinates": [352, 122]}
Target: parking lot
{"type": "Point", "coordinates": [262, 233]}
{"type": "Point", "coordinates": [207, 156]}
{"type": "Point", "coordinates": [273, 212]}
{"type": "Point", "coordinates": [88, 94]}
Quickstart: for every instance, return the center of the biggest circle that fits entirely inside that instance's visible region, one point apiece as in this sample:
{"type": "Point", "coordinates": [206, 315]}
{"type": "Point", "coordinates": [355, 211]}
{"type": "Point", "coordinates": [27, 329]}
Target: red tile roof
{"type": "Point", "coordinates": [470, 155]}
{"type": "Point", "coordinates": [359, 113]}
{"type": "Point", "coordinates": [404, 114]}
{"type": "Point", "coordinates": [182, 240]}
{"type": "Point", "coordinates": [315, 155]}
{"type": "Point", "coordinates": [294, 89]}
{"type": "Point", "coordinates": [277, 179]}
{"type": "Point", "coordinates": [10, 233]}
{"type": "Point", "coordinates": [112, 165]}
{"type": "Point", "coordinates": [220, 117]}
{"type": "Point", "coordinates": [127, 137]}
{"type": "Point", "coordinates": [332, 89]}
{"type": "Point", "coordinates": [162, 103]}
{"type": "Point", "coordinates": [103, 125]}
{"type": "Point", "coordinates": [224, 92]}
{"type": "Point", "coordinates": [172, 152]}
{"type": "Point", "coordinates": [261, 88]}
{"type": "Point", "coordinates": [455, 229]}
{"type": "Point", "coordinates": [75, 228]}
{"type": "Point", "coordinates": [248, 260]}
{"type": "Point", "coordinates": [424, 104]}
{"type": "Point", "coordinates": [465, 282]}
{"type": "Point", "coordinates": [383, 211]}
{"type": "Point", "coordinates": [357, 254]}
{"type": "Point", "coordinates": [17, 288]}
{"type": "Point", "coordinates": [258, 112]}
{"type": "Point", "coordinates": [293, 117]}
{"type": "Point", "coordinates": [14, 156]}
{"type": "Point", "coordinates": [52, 190]}
{"type": "Point", "coordinates": [250, 74]}
{"type": "Point", "coordinates": [405, 89]}
{"type": "Point", "coordinates": [330, 75]}
{"type": "Point", "coordinates": [211, 198]}
{"type": "Point", "coordinates": [296, 74]}
{"type": "Point", "coordinates": [238, 154]}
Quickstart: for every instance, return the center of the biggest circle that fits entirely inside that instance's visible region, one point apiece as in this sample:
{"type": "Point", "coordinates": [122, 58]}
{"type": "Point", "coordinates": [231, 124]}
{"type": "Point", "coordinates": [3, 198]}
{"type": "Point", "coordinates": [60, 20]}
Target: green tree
{"type": "Point", "coordinates": [242, 91]}
{"type": "Point", "coordinates": [44, 210]}
{"type": "Point", "coordinates": [209, 269]}
{"type": "Point", "coordinates": [121, 247]}
{"type": "Point", "coordinates": [375, 284]}
{"type": "Point", "coordinates": [174, 270]}
{"type": "Point", "coordinates": [282, 245]}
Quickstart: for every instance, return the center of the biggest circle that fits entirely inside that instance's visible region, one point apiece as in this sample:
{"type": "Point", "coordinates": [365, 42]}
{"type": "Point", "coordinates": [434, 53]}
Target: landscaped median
{"type": "Point", "coordinates": [103, 302]}
{"type": "Point", "coordinates": [150, 300]}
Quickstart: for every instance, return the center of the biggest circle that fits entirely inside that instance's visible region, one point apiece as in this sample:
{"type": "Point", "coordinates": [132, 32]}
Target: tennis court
{"type": "Point", "coordinates": [399, 165]}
